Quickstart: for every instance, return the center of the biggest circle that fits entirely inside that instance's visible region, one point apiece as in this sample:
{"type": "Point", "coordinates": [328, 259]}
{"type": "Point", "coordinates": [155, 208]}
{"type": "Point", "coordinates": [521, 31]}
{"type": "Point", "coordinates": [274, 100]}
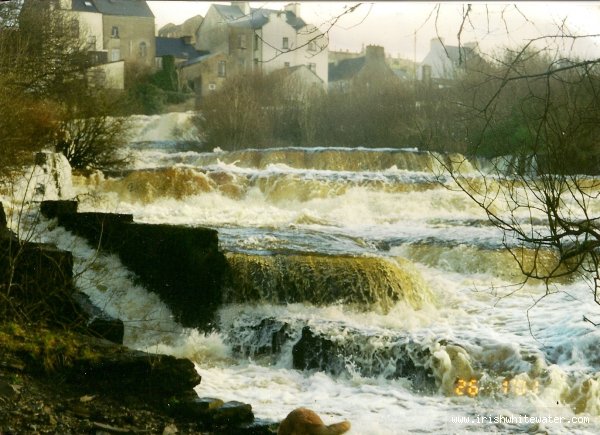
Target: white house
{"type": "Point", "coordinates": [115, 32]}
{"type": "Point", "coordinates": [259, 39]}
{"type": "Point", "coordinates": [443, 62]}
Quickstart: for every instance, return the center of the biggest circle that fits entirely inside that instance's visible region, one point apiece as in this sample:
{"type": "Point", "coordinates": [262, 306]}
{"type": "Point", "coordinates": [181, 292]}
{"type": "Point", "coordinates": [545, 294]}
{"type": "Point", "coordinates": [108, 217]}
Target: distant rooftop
{"type": "Point", "coordinates": [346, 68]}
{"type": "Point", "coordinates": [176, 47]}
{"type": "Point", "coordinates": [257, 17]}
{"type": "Point", "coordinates": [129, 8]}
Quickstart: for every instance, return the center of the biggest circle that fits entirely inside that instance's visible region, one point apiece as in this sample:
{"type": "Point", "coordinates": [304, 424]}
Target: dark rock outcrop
{"type": "Point", "coordinates": [182, 265]}
{"type": "Point", "coordinates": [55, 208]}
{"type": "Point", "coordinates": [121, 371]}
{"type": "Point", "coordinates": [266, 338]}
{"type": "Point", "coordinates": [314, 352]}
{"type": "Point", "coordinates": [392, 357]}
{"type": "Point", "coordinates": [235, 418]}
{"type": "Point", "coordinates": [98, 322]}
{"type": "Point", "coordinates": [232, 414]}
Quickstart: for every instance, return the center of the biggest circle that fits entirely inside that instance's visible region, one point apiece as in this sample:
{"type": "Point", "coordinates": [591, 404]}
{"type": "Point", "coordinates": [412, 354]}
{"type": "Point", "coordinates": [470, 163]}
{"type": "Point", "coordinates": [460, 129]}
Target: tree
{"type": "Point", "coordinates": [238, 115]}
{"type": "Point", "coordinates": [536, 115]}
{"type": "Point", "coordinates": [48, 98]}
{"type": "Point", "coordinates": [89, 137]}
{"type": "Point", "coordinates": [27, 120]}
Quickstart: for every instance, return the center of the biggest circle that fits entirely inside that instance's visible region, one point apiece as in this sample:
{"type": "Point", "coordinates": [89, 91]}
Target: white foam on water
{"type": "Point", "coordinates": [482, 326]}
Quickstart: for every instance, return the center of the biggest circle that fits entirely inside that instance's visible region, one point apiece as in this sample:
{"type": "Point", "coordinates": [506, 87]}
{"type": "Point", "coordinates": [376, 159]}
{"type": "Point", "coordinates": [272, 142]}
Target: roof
{"type": "Point", "coordinates": [345, 69]}
{"type": "Point", "coordinates": [176, 47]}
{"type": "Point", "coordinates": [257, 17]}
{"type": "Point", "coordinates": [203, 56]}
{"type": "Point", "coordinates": [293, 69]}
{"type": "Point", "coordinates": [229, 12]}
{"type": "Point", "coordinates": [130, 8]}
{"type": "Point", "coordinates": [455, 54]}
{"type": "Point", "coordinates": [83, 6]}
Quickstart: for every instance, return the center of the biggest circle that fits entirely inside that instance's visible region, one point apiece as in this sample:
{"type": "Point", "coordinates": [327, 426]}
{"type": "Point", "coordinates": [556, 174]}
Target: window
{"type": "Point", "coordinates": [88, 3]}
{"type": "Point", "coordinates": [143, 49]}
{"type": "Point", "coordinates": [115, 55]}
{"type": "Point", "coordinates": [285, 44]}
{"type": "Point", "coordinates": [312, 46]}
{"type": "Point", "coordinates": [256, 41]}
{"type": "Point", "coordinates": [312, 66]}
{"type": "Point", "coordinates": [286, 64]}
{"type": "Point", "coordinates": [242, 41]}
{"type": "Point", "coordinates": [222, 68]}
{"type": "Point", "coordinates": [115, 32]}
{"type": "Point", "coordinates": [91, 42]}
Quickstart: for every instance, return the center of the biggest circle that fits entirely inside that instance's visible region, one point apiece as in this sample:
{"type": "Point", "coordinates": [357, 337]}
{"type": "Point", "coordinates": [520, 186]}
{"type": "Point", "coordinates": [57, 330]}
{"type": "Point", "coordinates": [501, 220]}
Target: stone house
{"type": "Point", "coordinates": [204, 74]}
{"type": "Point", "coordinates": [405, 69]}
{"type": "Point", "coordinates": [367, 70]}
{"type": "Point", "coordinates": [117, 33]}
{"type": "Point", "coordinates": [259, 39]}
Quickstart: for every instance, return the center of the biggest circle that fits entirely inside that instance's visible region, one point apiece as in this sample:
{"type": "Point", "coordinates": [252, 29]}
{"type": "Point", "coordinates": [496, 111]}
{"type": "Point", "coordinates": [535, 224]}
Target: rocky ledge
{"type": "Point", "coordinates": [62, 382]}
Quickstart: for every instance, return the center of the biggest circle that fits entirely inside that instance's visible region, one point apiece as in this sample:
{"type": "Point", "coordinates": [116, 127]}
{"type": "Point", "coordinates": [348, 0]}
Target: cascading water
{"type": "Point", "coordinates": [359, 287]}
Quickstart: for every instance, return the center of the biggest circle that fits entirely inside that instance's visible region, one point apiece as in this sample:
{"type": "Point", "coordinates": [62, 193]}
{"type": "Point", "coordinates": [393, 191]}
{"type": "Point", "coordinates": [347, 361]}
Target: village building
{"type": "Point", "coordinates": [116, 32]}
{"type": "Point", "coordinates": [370, 69]}
{"type": "Point", "coordinates": [444, 63]}
{"type": "Point", "coordinates": [404, 69]}
{"type": "Point", "coordinates": [255, 39]}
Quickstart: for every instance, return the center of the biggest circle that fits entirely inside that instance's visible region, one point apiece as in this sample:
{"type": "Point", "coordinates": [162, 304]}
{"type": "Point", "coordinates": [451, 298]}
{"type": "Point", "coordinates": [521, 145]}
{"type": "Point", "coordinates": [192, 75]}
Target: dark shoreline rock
{"type": "Point", "coordinates": [104, 386]}
{"type": "Point", "coordinates": [99, 323]}
{"type": "Point", "coordinates": [398, 358]}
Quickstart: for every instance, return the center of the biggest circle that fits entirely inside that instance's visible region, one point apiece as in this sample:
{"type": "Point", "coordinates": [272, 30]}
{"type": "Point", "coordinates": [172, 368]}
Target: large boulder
{"type": "Point", "coordinates": [120, 371]}
{"type": "Point", "coordinates": [265, 338]}
{"type": "Point", "coordinates": [369, 355]}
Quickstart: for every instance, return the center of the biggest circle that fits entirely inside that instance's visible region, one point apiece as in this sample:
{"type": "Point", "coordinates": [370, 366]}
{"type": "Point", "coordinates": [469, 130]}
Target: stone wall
{"type": "Point", "coordinates": [183, 265]}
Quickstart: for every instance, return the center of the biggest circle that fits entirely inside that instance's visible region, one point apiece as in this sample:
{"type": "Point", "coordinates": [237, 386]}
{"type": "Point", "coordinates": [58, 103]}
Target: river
{"type": "Point", "coordinates": [403, 279]}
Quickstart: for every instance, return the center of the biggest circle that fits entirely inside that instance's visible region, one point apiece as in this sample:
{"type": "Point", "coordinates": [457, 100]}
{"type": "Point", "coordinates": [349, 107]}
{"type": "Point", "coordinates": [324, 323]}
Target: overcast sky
{"type": "Point", "coordinates": [393, 24]}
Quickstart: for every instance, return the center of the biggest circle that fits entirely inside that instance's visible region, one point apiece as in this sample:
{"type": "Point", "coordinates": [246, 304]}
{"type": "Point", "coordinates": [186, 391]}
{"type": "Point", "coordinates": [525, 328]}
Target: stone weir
{"type": "Point", "coordinates": [183, 265]}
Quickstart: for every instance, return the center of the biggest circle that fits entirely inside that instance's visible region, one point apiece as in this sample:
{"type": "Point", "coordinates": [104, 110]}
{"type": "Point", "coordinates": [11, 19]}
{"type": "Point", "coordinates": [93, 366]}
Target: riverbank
{"type": "Point", "coordinates": [56, 381]}
{"type": "Point", "coordinates": [59, 373]}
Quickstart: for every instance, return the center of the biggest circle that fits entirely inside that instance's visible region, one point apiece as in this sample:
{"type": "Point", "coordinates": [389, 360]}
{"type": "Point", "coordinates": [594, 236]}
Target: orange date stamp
{"type": "Point", "coordinates": [508, 386]}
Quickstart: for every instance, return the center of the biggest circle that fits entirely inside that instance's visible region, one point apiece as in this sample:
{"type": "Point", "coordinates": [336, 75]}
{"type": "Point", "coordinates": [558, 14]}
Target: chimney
{"type": "Point", "coordinates": [293, 8]}
{"type": "Point", "coordinates": [244, 7]}
{"type": "Point", "coordinates": [375, 54]}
